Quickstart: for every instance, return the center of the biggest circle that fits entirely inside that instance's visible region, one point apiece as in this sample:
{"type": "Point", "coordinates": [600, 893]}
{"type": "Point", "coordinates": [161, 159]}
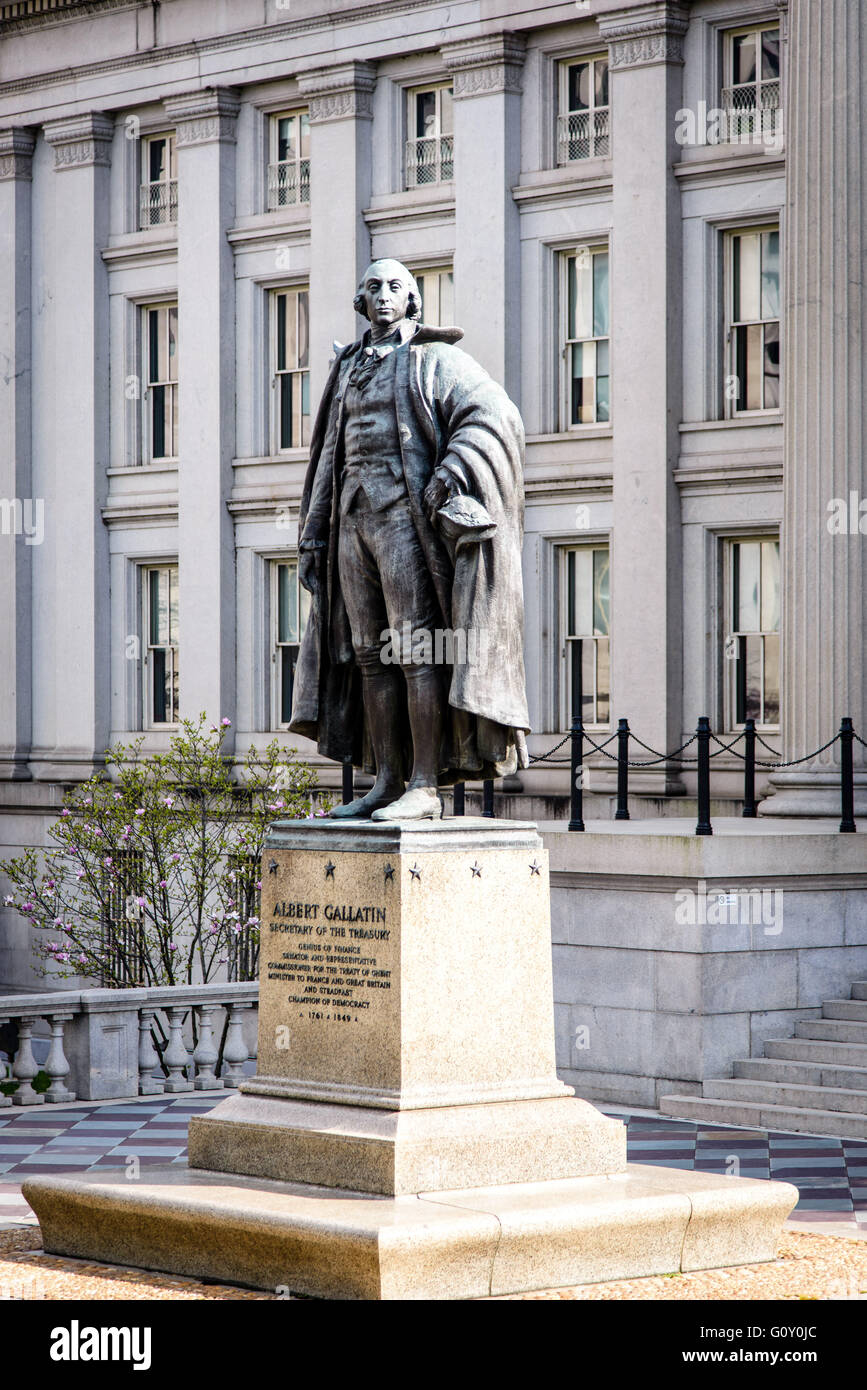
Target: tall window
{"type": "Point", "coordinates": [158, 193]}
{"type": "Point", "coordinates": [161, 383]}
{"type": "Point", "coordinates": [586, 609]}
{"type": "Point", "coordinates": [751, 95]}
{"type": "Point", "coordinates": [437, 288]}
{"type": "Point", "coordinates": [752, 645]}
{"type": "Point", "coordinates": [290, 607]}
{"type": "Point", "coordinates": [290, 312]}
{"type": "Point", "coordinates": [586, 393]}
{"type": "Point", "coordinates": [160, 603]}
{"type": "Point", "coordinates": [583, 129]}
{"type": "Point", "coordinates": [289, 165]}
{"type": "Point", "coordinates": [754, 320]}
{"type": "Point", "coordinates": [430, 136]}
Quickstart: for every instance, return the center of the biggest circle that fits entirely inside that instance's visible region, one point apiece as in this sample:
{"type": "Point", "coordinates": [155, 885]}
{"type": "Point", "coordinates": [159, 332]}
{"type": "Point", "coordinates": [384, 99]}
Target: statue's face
{"type": "Point", "coordinates": [386, 292]}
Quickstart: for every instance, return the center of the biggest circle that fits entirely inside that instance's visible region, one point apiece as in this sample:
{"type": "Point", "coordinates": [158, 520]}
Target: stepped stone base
{"type": "Point", "coordinates": [462, 1244]}
{"type": "Point", "coordinates": [400, 1152]}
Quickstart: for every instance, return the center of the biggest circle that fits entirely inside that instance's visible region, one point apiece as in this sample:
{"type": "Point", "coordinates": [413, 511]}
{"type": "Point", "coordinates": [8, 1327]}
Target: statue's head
{"type": "Point", "coordinates": [387, 293]}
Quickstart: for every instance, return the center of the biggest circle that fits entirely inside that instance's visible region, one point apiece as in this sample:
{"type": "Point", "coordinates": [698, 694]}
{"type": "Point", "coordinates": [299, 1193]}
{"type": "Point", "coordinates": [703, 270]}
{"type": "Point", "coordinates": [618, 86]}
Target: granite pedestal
{"type": "Point", "coordinates": [406, 1134]}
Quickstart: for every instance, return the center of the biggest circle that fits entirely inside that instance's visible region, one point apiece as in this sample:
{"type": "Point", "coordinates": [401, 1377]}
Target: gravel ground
{"type": "Point", "coordinates": [809, 1266]}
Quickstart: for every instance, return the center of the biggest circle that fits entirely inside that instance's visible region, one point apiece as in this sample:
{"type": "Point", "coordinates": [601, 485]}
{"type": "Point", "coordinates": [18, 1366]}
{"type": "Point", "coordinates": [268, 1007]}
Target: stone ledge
{"type": "Point", "coordinates": [472, 1244]}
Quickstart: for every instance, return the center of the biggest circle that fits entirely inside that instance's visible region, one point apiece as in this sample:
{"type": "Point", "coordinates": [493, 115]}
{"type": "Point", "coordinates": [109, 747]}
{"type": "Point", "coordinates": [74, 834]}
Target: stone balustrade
{"type": "Point", "coordinates": [106, 1043]}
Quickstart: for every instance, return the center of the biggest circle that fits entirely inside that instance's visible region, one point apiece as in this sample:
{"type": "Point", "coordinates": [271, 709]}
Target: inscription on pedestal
{"type": "Point", "coordinates": [331, 955]}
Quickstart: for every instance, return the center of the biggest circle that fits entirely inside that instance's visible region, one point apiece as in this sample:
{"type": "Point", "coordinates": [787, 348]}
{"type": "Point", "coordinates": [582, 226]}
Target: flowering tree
{"type": "Point", "coordinates": [153, 874]}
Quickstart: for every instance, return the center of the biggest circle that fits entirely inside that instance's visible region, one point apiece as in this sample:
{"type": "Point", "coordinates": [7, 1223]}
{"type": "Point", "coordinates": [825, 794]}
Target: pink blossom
{"type": "Point", "coordinates": [140, 810]}
{"type": "Point", "coordinates": [225, 723]}
{"type": "Point", "coordinates": [118, 796]}
{"type": "Point", "coordinates": [140, 901]}
{"type": "Point", "coordinates": [163, 883]}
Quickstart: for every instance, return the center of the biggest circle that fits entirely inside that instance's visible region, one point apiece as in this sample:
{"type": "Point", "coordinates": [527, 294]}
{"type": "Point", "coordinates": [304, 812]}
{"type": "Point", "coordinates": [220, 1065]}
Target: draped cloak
{"type": "Point", "coordinates": [451, 415]}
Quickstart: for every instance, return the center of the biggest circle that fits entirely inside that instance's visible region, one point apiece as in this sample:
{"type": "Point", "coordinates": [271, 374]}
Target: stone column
{"type": "Point", "coordinates": [73, 523]}
{"type": "Point", "coordinates": [16, 494]}
{"type": "Point", "coordinates": [824, 543]}
{"type": "Point", "coordinates": [487, 162]}
{"type": "Point", "coordinates": [341, 112]}
{"type": "Point", "coordinates": [205, 125]}
{"type": "Point", "coordinates": [646, 60]}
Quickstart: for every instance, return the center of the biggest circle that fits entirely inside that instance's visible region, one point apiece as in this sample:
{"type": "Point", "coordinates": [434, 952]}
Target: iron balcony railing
{"type": "Point", "coordinates": [288, 183]}
{"type": "Point", "coordinates": [583, 135]}
{"type": "Point", "coordinates": [158, 203]}
{"type": "Point", "coordinates": [429, 159]}
{"type": "Point", "coordinates": [751, 111]}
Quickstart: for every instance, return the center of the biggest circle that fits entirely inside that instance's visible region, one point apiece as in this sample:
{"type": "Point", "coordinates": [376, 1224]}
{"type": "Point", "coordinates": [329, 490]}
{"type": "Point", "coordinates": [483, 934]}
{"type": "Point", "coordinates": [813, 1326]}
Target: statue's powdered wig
{"type": "Point", "coordinates": [413, 305]}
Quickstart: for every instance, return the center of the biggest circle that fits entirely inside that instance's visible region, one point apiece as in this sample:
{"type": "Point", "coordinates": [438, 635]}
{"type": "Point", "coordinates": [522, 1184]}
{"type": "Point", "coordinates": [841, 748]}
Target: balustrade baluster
{"type": "Point", "coordinates": [206, 1054]}
{"type": "Point", "coordinates": [56, 1063]}
{"type": "Point", "coordinates": [235, 1052]}
{"type": "Point", "coordinates": [24, 1067]}
{"type": "Point", "coordinates": [176, 1057]}
{"type": "Point", "coordinates": [148, 1057]}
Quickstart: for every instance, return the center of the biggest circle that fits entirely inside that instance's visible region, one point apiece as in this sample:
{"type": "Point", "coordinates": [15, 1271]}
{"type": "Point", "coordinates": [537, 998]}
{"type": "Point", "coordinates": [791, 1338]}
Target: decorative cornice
{"type": "Point", "coordinates": [16, 149]}
{"type": "Point", "coordinates": [482, 66]}
{"type": "Point", "coordinates": [81, 141]}
{"type": "Point", "coordinates": [341, 92]}
{"type": "Point", "coordinates": [205, 117]}
{"type": "Point", "coordinates": [650, 34]}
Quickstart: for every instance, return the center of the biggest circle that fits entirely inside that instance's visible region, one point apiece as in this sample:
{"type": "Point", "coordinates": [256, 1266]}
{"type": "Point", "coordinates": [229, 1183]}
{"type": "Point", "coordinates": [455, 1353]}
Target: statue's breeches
{"type": "Point", "coordinates": [386, 585]}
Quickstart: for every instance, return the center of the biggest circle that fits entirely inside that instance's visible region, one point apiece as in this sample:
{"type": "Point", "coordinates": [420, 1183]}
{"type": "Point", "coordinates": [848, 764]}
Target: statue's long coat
{"type": "Point", "coordinates": [449, 412]}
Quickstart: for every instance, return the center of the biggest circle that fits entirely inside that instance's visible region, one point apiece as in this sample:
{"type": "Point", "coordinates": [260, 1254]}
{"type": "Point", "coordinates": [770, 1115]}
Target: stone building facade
{"type": "Point", "coordinates": [630, 209]}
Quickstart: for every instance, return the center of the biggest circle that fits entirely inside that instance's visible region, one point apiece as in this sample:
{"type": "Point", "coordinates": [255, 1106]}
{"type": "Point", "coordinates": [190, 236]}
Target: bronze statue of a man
{"type": "Point", "coordinates": [412, 661]}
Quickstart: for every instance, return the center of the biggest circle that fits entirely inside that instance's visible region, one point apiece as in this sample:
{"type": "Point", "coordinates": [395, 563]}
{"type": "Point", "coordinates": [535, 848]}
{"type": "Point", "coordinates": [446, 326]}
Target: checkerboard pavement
{"type": "Point", "coordinates": [830, 1174]}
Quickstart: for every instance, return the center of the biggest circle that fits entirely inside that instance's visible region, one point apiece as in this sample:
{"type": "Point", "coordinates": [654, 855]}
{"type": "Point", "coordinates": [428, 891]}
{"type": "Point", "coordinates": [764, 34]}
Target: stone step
{"type": "Point", "coordinates": [803, 1073]}
{"type": "Point", "coordinates": [855, 1010]}
{"type": "Point", "coordinates": [859, 989]}
{"type": "Point", "coordinates": [832, 1030]}
{"type": "Point", "coordinates": [743, 1114]}
{"type": "Point", "coordinates": [790, 1095]}
{"type": "Point", "coordinates": [813, 1050]}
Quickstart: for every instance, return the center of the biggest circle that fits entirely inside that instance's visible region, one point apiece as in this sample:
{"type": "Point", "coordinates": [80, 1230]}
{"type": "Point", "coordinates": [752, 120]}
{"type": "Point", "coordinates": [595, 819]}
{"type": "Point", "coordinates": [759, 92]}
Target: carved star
{"type": "Point", "coordinates": [415, 872]}
{"type": "Point", "coordinates": [535, 868]}
{"type": "Point", "coordinates": [272, 866]}
{"type": "Point", "coordinates": [329, 869]}
{"type": "Point", "coordinates": [476, 870]}
{"type": "Point", "coordinates": [389, 873]}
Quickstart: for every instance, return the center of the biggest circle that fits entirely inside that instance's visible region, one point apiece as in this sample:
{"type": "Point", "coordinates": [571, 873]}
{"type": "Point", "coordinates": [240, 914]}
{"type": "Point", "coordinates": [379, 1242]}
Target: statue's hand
{"type": "Point", "coordinates": [308, 570]}
{"type": "Point", "coordinates": [436, 494]}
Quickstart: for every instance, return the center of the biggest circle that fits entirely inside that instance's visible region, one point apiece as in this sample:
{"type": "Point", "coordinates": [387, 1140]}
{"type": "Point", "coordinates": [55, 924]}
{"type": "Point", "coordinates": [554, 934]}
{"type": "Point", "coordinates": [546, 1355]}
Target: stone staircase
{"type": "Point", "coordinates": [815, 1082]}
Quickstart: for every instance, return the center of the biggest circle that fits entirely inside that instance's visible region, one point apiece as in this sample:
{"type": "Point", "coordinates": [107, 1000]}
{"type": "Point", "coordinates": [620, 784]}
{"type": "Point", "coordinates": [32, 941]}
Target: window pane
{"type": "Point", "coordinates": [154, 607]}
{"type": "Point", "coordinates": [770, 586]}
{"type": "Point", "coordinates": [288, 660]}
{"type": "Point", "coordinates": [600, 295]}
{"type": "Point", "coordinates": [303, 329]}
{"type": "Point", "coordinates": [287, 603]}
{"type": "Point", "coordinates": [305, 135]}
{"type": "Point", "coordinates": [291, 330]}
{"type": "Point", "coordinates": [744, 58]}
{"type": "Point", "coordinates": [173, 343]}
{"type": "Point", "coordinates": [173, 157]}
{"type": "Point", "coordinates": [771, 54]}
{"type": "Point", "coordinates": [772, 678]}
{"type": "Point", "coordinates": [174, 684]}
{"type": "Point", "coordinates": [156, 160]}
{"type": "Point", "coordinates": [601, 593]}
{"type": "Point", "coordinates": [174, 624]}
{"type": "Point", "coordinates": [158, 422]}
{"type": "Point", "coordinates": [747, 558]}
{"type": "Point", "coordinates": [286, 441]}
{"type": "Point", "coordinates": [579, 87]}
{"type": "Point", "coordinates": [588, 682]}
{"type": "Point", "coordinates": [305, 609]}
{"type": "Point", "coordinates": [583, 383]}
{"type": "Point", "coordinates": [447, 298]}
{"type": "Point", "coordinates": [153, 345]}
{"type": "Point", "coordinates": [746, 278]}
{"type": "Point", "coordinates": [173, 408]}
{"type": "Point", "coordinates": [281, 332]}
{"type": "Point", "coordinates": [772, 366]}
{"type": "Point", "coordinates": [580, 296]}
{"type": "Point", "coordinates": [603, 680]}
{"type": "Point", "coordinates": [286, 138]}
{"type": "Point", "coordinates": [583, 592]}
{"type": "Point", "coordinates": [601, 72]}
{"type": "Point", "coordinates": [570, 592]}
{"type": "Point", "coordinates": [770, 275]}
{"type": "Point", "coordinates": [446, 112]}
{"type": "Point", "coordinates": [753, 679]}
{"type": "Point", "coordinates": [603, 381]}
{"type": "Point", "coordinates": [425, 113]}
{"type": "Point", "coordinates": [160, 686]}
{"type": "Point", "coordinates": [305, 409]}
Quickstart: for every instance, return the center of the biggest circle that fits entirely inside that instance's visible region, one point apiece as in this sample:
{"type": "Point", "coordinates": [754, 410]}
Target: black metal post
{"type": "Point", "coordinates": [703, 826]}
{"type": "Point", "coordinates": [847, 778]}
{"type": "Point", "coordinates": [749, 769]}
{"type": "Point", "coordinates": [488, 801]}
{"type": "Point", "coordinates": [347, 783]}
{"type": "Point", "coordinates": [622, 812]}
{"type": "Point", "coordinates": [576, 817]}
{"type": "Point", "coordinates": [458, 799]}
